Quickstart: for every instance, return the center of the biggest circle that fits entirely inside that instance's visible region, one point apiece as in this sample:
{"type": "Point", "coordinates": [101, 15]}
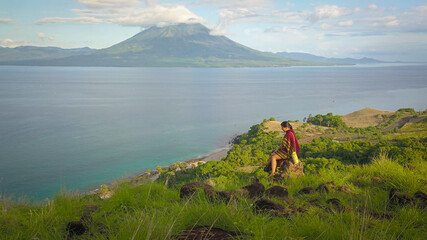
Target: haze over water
{"type": "Point", "coordinates": [80, 127]}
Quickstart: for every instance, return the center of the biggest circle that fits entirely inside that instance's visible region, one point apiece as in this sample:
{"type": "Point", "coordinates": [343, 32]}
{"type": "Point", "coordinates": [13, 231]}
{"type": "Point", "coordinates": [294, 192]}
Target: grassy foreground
{"type": "Point", "coordinates": [154, 210]}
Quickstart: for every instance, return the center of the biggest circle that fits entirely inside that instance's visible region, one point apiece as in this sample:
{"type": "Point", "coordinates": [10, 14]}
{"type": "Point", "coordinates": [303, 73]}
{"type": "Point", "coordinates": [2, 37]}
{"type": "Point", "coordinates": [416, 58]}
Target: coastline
{"type": "Point", "coordinates": [152, 174]}
{"type": "Point", "coordinates": [215, 155]}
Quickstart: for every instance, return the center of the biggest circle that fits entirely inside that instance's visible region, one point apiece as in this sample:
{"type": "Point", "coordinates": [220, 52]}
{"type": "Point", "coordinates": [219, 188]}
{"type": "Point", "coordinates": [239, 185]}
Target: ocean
{"type": "Point", "coordinates": [79, 127]}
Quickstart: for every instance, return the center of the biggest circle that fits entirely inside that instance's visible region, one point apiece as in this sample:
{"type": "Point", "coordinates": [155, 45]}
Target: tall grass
{"type": "Point", "coordinates": [151, 211]}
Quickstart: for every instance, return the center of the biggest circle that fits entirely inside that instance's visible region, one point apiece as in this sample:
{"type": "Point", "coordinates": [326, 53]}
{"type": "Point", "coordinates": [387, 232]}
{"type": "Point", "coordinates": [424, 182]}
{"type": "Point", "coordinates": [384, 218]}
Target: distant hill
{"type": "Point", "coordinates": [32, 53]}
{"type": "Point", "coordinates": [182, 45]}
{"type": "Point", "coordinates": [366, 117]}
{"type": "Point", "coordinates": [311, 57]}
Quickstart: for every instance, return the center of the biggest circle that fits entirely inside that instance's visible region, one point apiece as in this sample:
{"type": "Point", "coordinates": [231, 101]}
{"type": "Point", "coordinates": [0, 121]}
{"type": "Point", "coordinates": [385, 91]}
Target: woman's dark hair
{"type": "Point", "coordinates": [286, 124]}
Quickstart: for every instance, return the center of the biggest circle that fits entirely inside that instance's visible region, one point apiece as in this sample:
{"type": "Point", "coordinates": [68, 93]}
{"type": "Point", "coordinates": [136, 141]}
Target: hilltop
{"type": "Point", "coordinates": [357, 189]}
{"type": "Point", "coordinates": [366, 117]}
{"type": "Point", "coordinates": [181, 45]}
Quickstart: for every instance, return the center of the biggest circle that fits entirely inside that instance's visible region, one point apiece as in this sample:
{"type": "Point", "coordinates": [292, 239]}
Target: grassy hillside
{"type": "Point", "coordinates": [362, 189]}
{"type": "Point", "coordinates": [366, 117]}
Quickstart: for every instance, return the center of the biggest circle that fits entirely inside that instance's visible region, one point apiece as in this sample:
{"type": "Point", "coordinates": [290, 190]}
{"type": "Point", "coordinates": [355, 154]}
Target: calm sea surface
{"type": "Point", "coordinates": [78, 127]}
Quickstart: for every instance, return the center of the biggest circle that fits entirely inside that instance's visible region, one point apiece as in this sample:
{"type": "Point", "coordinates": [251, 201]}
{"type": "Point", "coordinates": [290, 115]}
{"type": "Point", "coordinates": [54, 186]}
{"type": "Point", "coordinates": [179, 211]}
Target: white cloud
{"type": "Point", "coordinates": [159, 15]}
{"type": "Point", "coordinates": [41, 35]}
{"type": "Point", "coordinates": [291, 16]}
{"type": "Point", "coordinates": [325, 26]}
{"type": "Point", "coordinates": [109, 3]}
{"type": "Point", "coordinates": [235, 3]}
{"type": "Point", "coordinates": [388, 21]}
{"type": "Point", "coordinates": [420, 9]}
{"type": "Point", "coordinates": [329, 11]}
{"type": "Point", "coordinates": [150, 2]}
{"type": "Point", "coordinates": [109, 11]}
{"type": "Point", "coordinates": [373, 6]}
{"type": "Point", "coordinates": [7, 41]}
{"type": "Point", "coordinates": [346, 23]}
{"type": "Point", "coordinates": [277, 29]}
{"type": "Point", "coordinates": [228, 16]}
{"type": "Point", "coordinates": [82, 20]}
{"type": "Point", "coordinates": [5, 20]}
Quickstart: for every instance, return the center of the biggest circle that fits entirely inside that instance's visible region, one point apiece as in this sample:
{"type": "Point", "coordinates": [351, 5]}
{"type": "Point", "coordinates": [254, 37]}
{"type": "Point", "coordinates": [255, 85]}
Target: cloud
{"type": "Point", "coordinates": [325, 26]}
{"type": "Point", "coordinates": [44, 37]}
{"type": "Point", "coordinates": [289, 4]}
{"type": "Point", "coordinates": [150, 3]}
{"type": "Point", "coordinates": [119, 12]}
{"type": "Point", "coordinates": [82, 20]}
{"type": "Point", "coordinates": [7, 41]}
{"type": "Point", "coordinates": [5, 20]}
{"type": "Point", "coordinates": [328, 12]}
{"type": "Point", "coordinates": [291, 16]}
{"type": "Point", "coordinates": [420, 9]}
{"type": "Point", "coordinates": [109, 3]}
{"type": "Point", "coordinates": [346, 23]}
{"type": "Point", "coordinates": [159, 15]}
{"type": "Point", "coordinates": [388, 21]}
{"type": "Point", "coordinates": [277, 29]}
{"type": "Point", "coordinates": [228, 4]}
{"type": "Point", "coordinates": [228, 16]}
{"type": "Point", "coordinates": [373, 6]}
{"type": "Point", "coordinates": [41, 35]}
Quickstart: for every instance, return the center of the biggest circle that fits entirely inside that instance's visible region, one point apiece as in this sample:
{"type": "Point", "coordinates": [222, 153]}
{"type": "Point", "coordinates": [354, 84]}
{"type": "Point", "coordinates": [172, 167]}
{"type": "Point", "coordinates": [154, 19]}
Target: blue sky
{"type": "Point", "coordinates": [386, 30]}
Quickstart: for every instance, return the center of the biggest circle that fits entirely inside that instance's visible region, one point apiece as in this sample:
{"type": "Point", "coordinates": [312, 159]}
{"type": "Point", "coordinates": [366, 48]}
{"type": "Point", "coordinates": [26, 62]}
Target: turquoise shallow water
{"type": "Point", "coordinates": [77, 127]}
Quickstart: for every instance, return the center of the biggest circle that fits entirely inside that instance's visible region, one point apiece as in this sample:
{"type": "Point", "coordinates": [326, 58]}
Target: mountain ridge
{"type": "Point", "coordinates": [312, 57]}
{"type": "Point", "coordinates": [181, 45]}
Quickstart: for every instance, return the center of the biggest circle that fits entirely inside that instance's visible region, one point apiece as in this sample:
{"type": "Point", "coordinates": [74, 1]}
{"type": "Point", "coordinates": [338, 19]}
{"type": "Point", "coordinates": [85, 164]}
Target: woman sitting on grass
{"type": "Point", "coordinates": [284, 151]}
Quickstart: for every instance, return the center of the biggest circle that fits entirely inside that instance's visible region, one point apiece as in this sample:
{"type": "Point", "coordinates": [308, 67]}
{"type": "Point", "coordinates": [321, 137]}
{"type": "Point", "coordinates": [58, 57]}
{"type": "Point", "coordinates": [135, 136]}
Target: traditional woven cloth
{"type": "Point", "coordinates": [290, 144]}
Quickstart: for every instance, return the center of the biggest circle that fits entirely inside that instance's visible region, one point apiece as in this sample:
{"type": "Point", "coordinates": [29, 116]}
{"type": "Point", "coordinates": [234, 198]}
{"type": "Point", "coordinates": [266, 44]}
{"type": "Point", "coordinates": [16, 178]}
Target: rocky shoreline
{"type": "Point", "coordinates": [152, 175]}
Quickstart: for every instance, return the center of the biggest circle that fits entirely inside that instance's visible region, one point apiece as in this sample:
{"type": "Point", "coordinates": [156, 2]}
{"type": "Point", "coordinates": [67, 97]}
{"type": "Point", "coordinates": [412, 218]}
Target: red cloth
{"type": "Point", "coordinates": [289, 140]}
{"type": "Point", "coordinates": [292, 138]}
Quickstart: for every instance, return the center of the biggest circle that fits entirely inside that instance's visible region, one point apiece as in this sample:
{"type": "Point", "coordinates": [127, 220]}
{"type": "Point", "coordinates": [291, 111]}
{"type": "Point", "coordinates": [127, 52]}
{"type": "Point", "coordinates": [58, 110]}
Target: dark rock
{"type": "Point", "coordinates": [306, 190]}
{"type": "Point", "coordinates": [187, 190]}
{"type": "Point", "coordinates": [288, 167]}
{"type": "Point", "coordinates": [265, 204]}
{"type": "Point", "coordinates": [277, 191]}
{"type": "Point", "coordinates": [76, 228]}
{"type": "Point", "coordinates": [399, 198]}
{"type": "Point", "coordinates": [207, 232]}
{"type": "Point", "coordinates": [344, 189]}
{"type": "Point", "coordinates": [255, 190]}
